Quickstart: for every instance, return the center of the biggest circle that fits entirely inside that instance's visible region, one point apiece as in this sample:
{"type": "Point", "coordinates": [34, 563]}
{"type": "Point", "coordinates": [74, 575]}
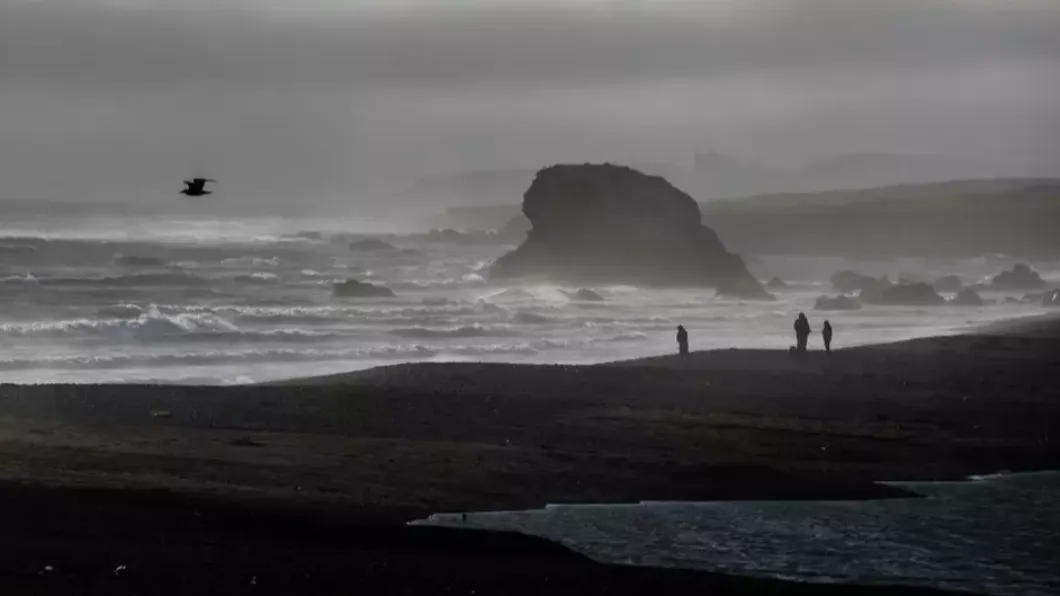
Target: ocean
{"type": "Point", "coordinates": [991, 535]}
{"type": "Point", "coordinates": [202, 300]}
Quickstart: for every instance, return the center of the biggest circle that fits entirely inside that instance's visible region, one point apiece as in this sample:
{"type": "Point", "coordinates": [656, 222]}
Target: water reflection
{"type": "Point", "coordinates": [995, 536]}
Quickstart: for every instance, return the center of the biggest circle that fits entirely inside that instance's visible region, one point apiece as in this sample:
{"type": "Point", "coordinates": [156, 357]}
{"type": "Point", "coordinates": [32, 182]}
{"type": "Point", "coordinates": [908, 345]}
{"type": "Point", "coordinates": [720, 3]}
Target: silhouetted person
{"type": "Point", "coordinates": [682, 342]}
{"type": "Point", "coordinates": [196, 187]}
{"type": "Point", "coordinates": [802, 332]}
{"type": "Point", "coordinates": [826, 333]}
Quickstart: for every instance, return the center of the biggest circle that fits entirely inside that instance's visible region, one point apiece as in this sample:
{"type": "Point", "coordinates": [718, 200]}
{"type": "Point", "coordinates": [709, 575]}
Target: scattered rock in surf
{"type": "Point", "coordinates": [851, 281]}
{"type": "Point", "coordinates": [837, 303]}
{"type": "Point", "coordinates": [352, 288]}
{"type": "Point", "coordinates": [246, 442]}
{"type": "Point", "coordinates": [776, 284]}
{"type": "Point", "coordinates": [967, 297]}
{"type": "Point", "coordinates": [948, 283]}
{"type": "Point", "coordinates": [1020, 277]}
{"type": "Point", "coordinates": [585, 295]}
{"type": "Point", "coordinates": [370, 245]}
{"type": "Point", "coordinates": [530, 317]}
{"type": "Point", "coordinates": [920, 294]}
{"type": "Point", "coordinates": [602, 223]}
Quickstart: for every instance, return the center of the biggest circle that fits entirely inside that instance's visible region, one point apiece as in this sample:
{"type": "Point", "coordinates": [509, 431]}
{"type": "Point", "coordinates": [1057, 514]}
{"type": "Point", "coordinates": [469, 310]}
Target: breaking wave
{"type": "Point", "coordinates": [475, 330]}
{"type": "Point", "coordinates": [151, 325]}
{"type": "Point", "coordinates": [279, 355]}
{"type": "Point", "coordinates": [125, 281]}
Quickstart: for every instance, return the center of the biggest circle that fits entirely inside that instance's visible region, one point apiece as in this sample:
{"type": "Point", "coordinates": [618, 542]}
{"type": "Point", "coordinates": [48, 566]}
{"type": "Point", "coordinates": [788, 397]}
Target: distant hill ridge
{"type": "Point", "coordinates": [959, 218]}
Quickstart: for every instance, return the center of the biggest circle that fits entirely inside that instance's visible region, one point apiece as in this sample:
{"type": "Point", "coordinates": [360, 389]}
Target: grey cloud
{"type": "Point", "coordinates": [101, 97]}
{"type": "Point", "coordinates": [512, 44]}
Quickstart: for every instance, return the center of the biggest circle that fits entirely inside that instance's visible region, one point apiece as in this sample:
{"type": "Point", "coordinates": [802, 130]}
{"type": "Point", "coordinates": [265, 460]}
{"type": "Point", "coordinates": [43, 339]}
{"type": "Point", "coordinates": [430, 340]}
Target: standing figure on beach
{"type": "Point", "coordinates": [682, 342]}
{"type": "Point", "coordinates": [802, 332]}
{"type": "Point", "coordinates": [826, 333]}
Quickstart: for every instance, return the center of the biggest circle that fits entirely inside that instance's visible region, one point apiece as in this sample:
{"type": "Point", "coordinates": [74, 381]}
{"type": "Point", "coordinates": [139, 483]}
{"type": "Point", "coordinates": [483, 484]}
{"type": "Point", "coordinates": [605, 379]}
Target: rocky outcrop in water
{"type": "Point", "coordinates": [776, 284]}
{"type": "Point", "coordinates": [919, 294]}
{"type": "Point", "coordinates": [613, 224]}
{"type": "Point", "coordinates": [585, 295]}
{"type": "Point", "coordinates": [358, 289]}
{"type": "Point", "coordinates": [370, 245]}
{"type": "Point", "coordinates": [1020, 277]}
{"type": "Point", "coordinates": [967, 297]}
{"type": "Point", "coordinates": [837, 303]}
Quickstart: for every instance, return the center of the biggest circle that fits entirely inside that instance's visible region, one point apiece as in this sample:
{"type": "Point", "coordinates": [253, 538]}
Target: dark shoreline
{"type": "Point", "coordinates": [306, 485]}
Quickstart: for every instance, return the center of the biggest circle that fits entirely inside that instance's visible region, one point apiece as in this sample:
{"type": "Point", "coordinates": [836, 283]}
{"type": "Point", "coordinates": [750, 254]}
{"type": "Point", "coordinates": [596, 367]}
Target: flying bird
{"type": "Point", "coordinates": [196, 187]}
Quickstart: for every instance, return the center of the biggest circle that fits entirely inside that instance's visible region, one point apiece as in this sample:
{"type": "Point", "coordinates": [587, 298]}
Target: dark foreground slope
{"type": "Point", "coordinates": [302, 487]}
{"type": "Point", "coordinates": [129, 542]}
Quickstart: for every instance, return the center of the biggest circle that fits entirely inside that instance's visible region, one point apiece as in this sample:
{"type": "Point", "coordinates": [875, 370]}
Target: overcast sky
{"type": "Point", "coordinates": [279, 99]}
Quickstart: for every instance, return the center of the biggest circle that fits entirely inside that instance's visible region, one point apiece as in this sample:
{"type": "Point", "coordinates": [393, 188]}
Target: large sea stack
{"type": "Point", "coordinates": [613, 224]}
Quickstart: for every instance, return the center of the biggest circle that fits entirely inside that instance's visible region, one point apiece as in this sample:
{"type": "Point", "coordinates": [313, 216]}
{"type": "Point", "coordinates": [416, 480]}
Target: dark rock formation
{"type": "Point", "coordinates": [370, 245]}
{"type": "Point", "coordinates": [358, 289]}
{"type": "Point", "coordinates": [777, 284]}
{"type": "Point", "coordinates": [1021, 277]}
{"type": "Point", "coordinates": [948, 283]}
{"type": "Point", "coordinates": [908, 278]}
{"type": "Point", "coordinates": [967, 297]}
{"type": "Point", "coordinates": [612, 224]}
{"type": "Point", "coordinates": [852, 281]}
{"type": "Point", "coordinates": [902, 295]}
{"type": "Point", "coordinates": [837, 303]}
{"type": "Point", "coordinates": [586, 295]}
{"type": "Point", "coordinates": [1011, 300]}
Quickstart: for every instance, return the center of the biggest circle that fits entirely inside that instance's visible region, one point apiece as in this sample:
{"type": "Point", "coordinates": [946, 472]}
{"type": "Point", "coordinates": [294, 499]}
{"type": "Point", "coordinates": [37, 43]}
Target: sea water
{"type": "Point", "coordinates": [238, 300]}
{"type": "Point", "coordinates": [995, 535]}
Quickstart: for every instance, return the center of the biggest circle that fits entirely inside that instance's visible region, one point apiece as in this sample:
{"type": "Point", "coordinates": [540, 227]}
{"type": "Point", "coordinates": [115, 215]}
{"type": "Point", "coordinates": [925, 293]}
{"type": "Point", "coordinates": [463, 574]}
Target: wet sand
{"type": "Point", "coordinates": [304, 484]}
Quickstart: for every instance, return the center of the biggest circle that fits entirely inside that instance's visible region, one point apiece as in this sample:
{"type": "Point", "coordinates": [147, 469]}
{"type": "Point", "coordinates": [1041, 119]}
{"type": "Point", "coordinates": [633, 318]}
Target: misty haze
{"type": "Point", "coordinates": [314, 264]}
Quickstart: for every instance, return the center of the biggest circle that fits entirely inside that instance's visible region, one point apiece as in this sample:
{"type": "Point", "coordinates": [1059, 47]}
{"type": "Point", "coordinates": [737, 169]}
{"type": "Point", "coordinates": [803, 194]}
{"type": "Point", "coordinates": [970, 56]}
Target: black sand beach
{"type": "Point", "coordinates": [304, 486]}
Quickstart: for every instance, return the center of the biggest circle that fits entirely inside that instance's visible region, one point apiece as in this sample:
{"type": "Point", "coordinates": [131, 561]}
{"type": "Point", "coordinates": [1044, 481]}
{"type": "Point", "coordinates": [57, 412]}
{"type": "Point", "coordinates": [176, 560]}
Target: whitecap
{"type": "Point", "coordinates": [474, 330]}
